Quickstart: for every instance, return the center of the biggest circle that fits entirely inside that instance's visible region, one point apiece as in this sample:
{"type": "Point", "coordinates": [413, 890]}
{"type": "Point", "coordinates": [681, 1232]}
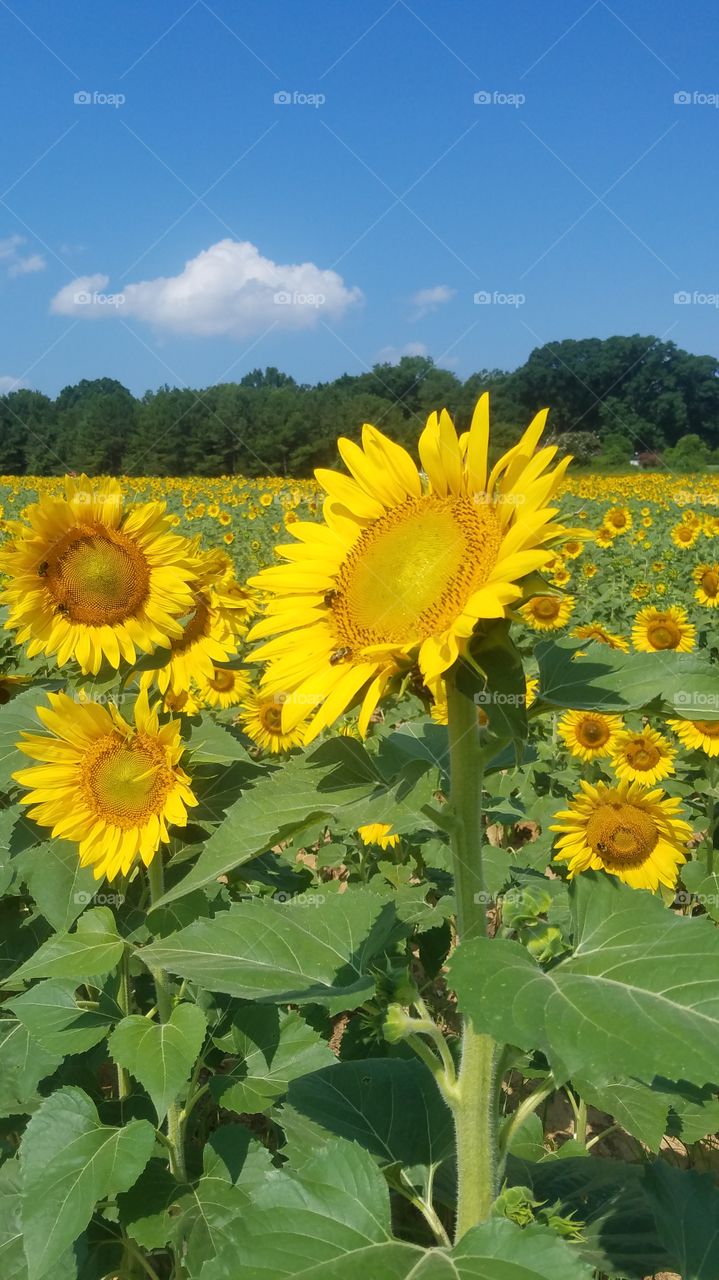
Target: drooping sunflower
{"type": "Point", "coordinates": [698, 735]}
{"type": "Point", "coordinates": [706, 577]}
{"type": "Point", "coordinates": [588, 734]}
{"type": "Point", "coordinates": [547, 613]}
{"type": "Point", "coordinates": [656, 630]}
{"type": "Point", "coordinates": [401, 571]}
{"type": "Point", "coordinates": [630, 831]}
{"type": "Point", "coordinates": [109, 786]}
{"type": "Point", "coordinates": [642, 757]}
{"type": "Point", "coordinates": [224, 688]}
{"type": "Point", "coordinates": [595, 631]}
{"type": "Point", "coordinates": [380, 833]}
{"type": "Point", "coordinates": [261, 718]}
{"type": "Point", "coordinates": [90, 579]}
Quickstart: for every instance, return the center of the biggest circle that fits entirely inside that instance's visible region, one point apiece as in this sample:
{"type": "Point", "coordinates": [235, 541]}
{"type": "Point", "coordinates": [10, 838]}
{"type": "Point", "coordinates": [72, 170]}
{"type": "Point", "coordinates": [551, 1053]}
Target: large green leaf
{"type": "Point", "coordinates": [391, 1106]}
{"type": "Point", "coordinates": [639, 992]}
{"type": "Point", "coordinates": [274, 1048]}
{"type": "Point", "coordinates": [17, 717]}
{"type": "Point", "coordinates": [94, 948]}
{"type": "Point", "coordinates": [60, 887]}
{"type": "Point", "coordinates": [23, 1064]}
{"type": "Point", "coordinates": [267, 950]}
{"type": "Point", "coordinates": [686, 1205]}
{"type": "Point", "coordinates": [160, 1055]}
{"type": "Point", "coordinates": [12, 1254]}
{"type": "Point", "coordinates": [338, 781]}
{"type": "Point", "coordinates": [609, 680]}
{"type": "Point", "coordinates": [70, 1161]}
{"type": "Point", "coordinates": [52, 1015]}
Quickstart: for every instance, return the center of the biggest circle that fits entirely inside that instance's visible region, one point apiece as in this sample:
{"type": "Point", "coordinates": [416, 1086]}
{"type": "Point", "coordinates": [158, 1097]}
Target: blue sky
{"type": "Point", "coordinates": [200, 228]}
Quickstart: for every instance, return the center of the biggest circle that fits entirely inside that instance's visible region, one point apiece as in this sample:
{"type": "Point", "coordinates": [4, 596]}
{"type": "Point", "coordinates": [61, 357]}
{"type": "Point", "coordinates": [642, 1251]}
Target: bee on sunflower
{"type": "Point", "coordinates": [401, 570]}
{"type": "Point", "coordinates": [629, 831]}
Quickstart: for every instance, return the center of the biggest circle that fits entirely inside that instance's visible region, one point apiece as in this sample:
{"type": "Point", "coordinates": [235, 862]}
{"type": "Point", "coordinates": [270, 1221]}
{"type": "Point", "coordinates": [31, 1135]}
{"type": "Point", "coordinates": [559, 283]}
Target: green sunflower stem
{"type": "Point", "coordinates": [155, 875]}
{"type": "Point", "coordinates": [475, 1101]}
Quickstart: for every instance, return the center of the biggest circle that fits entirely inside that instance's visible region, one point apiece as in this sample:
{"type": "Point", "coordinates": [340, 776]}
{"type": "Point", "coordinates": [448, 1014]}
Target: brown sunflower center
{"type": "Point", "coordinates": [642, 754]}
{"type": "Point", "coordinates": [617, 519]}
{"type": "Point", "coordinates": [663, 634]}
{"type": "Point", "coordinates": [710, 728]}
{"type": "Point", "coordinates": [126, 780]}
{"type": "Point", "coordinates": [546, 608]}
{"type": "Point", "coordinates": [410, 574]}
{"type": "Point", "coordinates": [592, 733]}
{"type": "Point", "coordinates": [196, 628]}
{"type": "Point", "coordinates": [223, 680]}
{"type": "Point", "coordinates": [271, 716]}
{"type": "Point", "coordinates": [710, 583]}
{"type": "Point", "coordinates": [622, 835]}
{"type": "Point", "coordinates": [97, 575]}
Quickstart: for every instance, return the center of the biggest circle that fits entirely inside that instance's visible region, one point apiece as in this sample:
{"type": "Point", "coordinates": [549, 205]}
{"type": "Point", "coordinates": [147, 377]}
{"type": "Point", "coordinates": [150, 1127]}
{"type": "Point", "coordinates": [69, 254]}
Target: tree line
{"type": "Point", "coordinates": [610, 399]}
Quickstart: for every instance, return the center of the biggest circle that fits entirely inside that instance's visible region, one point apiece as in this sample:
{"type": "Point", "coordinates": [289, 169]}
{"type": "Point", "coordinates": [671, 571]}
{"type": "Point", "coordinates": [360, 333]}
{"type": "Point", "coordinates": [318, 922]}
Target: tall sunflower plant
{"type": "Point", "coordinates": [348, 912]}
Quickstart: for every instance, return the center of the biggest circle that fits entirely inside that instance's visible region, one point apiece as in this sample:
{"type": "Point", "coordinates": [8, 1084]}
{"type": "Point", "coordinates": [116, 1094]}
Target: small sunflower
{"type": "Point", "coordinates": [224, 688]}
{"type": "Point", "coordinates": [589, 734]}
{"type": "Point", "coordinates": [380, 833]}
{"type": "Point", "coordinates": [547, 613]}
{"type": "Point", "coordinates": [604, 537]}
{"type": "Point", "coordinates": [204, 640]}
{"type": "Point", "coordinates": [618, 520]}
{"type": "Point", "coordinates": [706, 577]}
{"type": "Point", "coordinates": [642, 757]}
{"type": "Point", "coordinates": [92, 580]}
{"type": "Point", "coordinates": [685, 535]}
{"type": "Point", "coordinates": [402, 570]}
{"type": "Point", "coordinates": [108, 786]}
{"type": "Point", "coordinates": [656, 630]}
{"type": "Point", "coordinates": [629, 831]}
{"type": "Point", "coordinates": [698, 735]}
{"type": "Point", "coordinates": [595, 631]}
{"type": "Point", "coordinates": [261, 718]}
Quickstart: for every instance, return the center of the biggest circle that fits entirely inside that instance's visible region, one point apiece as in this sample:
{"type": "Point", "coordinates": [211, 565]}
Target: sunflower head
{"type": "Point", "coordinates": [405, 564]}
{"type": "Point", "coordinates": [109, 786]}
{"type": "Point", "coordinates": [588, 734]}
{"type": "Point", "coordinates": [698, 735]}
{"type": "Point", "coordinates": [547, 613]}
{"type": "Point", "coordinates": [706, 577]}
{"type": "Point", "coordinates": [656, 630]}
{"type": "Point", "coordinates": [595, 631]}
{"type": "Point", "coordinates": [260, 716]}
{"type": "Point", "coordinates": [629, 831]}
{"type": "Point", "coordinates": [224, 688]}
{"type": "Point", "coordinates": [645, 756]}
{"type": "Point", "coordinates": [380, 833]}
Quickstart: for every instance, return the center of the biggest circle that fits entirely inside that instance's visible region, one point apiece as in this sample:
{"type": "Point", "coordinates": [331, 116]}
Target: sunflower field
{"type": "Point", "coordinates": [359, 870]}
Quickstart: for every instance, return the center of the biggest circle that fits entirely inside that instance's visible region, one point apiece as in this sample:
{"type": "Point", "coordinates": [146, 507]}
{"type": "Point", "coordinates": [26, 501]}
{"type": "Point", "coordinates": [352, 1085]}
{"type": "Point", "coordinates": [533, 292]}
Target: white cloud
{"type": "Point", "coordinates": [17, 263]}
{"type": "Point", "coordinates": [8, 384]}
{"type": "Point", "coordinates": [426, 300]}
{"type": "Point", "coordinates": [228, 289]}
{"type": "Point", "coordinates": [393, 355]}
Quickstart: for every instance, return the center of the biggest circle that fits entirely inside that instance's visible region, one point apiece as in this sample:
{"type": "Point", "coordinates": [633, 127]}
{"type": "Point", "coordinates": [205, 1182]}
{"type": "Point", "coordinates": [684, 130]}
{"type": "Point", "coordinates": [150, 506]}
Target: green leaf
{"type": "Point", "coordinates": [144, 1210]}
{"type": "Point", "coordinates": [18, 717]}
{"type": "Point", "coordinates": [70, 1161]}
{"type": "Point", "coordinates": [686, 1205]}
{"type": "Point", "coordinates": [23, 1064]}
{"type": "Point", "coordinates": [12, 1254]}
{"type": "Point", "coordinates": [274, 1049]}
{"type": "Point", "coordinates": [160, 1055]}
{"type": "Point", "coordinates": [205, 1222]}
{"type": "Point", "coordinates": [613, 681]}
{"type": "Point", "coordinates": [93, 949]}
{"type": "Point", "coordinates": [60, 887]}
{"type": "Point", "coordinates": [51, 1014]}
{"type": "Point", "coordinates": [390, 1106]}
{"type": "Point", "coordinates": [637, 1107]}
{"type": "Point", "coordinates": [266, 950]}
{"type": "Point", "coordinates": [640, 990]}
{"type": "Point", "coordinates": [210, 742]}
{"type": "Point", "coordinates": [338, 781]}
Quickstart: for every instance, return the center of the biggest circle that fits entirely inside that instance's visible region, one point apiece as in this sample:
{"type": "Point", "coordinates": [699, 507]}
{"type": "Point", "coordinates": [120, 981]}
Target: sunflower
{"type": "Point", "coordinates": [642, 757]}
{"type": "Point", "coordinates": [204, 640]}
{"type": "Point", "coordinates": [261, 718]}
{"type": "Point", "coordinates": [588, 734]}
{"type": "Point", "coordinates": [110, 787]}
{"type": "Point", "coordinates": [685, 535]}
{"type": "Point", "coordinates": [618, 520]}
{"type": "Point", "coordinates": [706, 577]}
{"type": "Point", "coordinates": [10, 685]}
{"type": "Point", "coordinates": [573, 548]}
{"type": "Point", "coordinates": [547, 613]}
{"type": "Point", "coordinates": [655, 630]}
{"type": "Point", "coordinates": [400, 571]}
{"type": "Point", "coordinates": [595, 631]}
{"type": "Point", "coordinates": [630, 831]}
{"type": "Point", "coordinates": [603, 537]}
{"type": "Point", "coordinates": [224, 688]}
{"type": "Point", "coordinates": [698, 735]}
{"type": "Point", "coordinates": [90, 579]}
{"type": "Point", "coordinates": [380, 833]}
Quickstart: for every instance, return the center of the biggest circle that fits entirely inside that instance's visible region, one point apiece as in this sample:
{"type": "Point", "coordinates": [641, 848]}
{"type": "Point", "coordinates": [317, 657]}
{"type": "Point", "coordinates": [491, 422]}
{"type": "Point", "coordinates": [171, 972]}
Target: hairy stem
{"type": "Point", "coordinates": [164, 1008]}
